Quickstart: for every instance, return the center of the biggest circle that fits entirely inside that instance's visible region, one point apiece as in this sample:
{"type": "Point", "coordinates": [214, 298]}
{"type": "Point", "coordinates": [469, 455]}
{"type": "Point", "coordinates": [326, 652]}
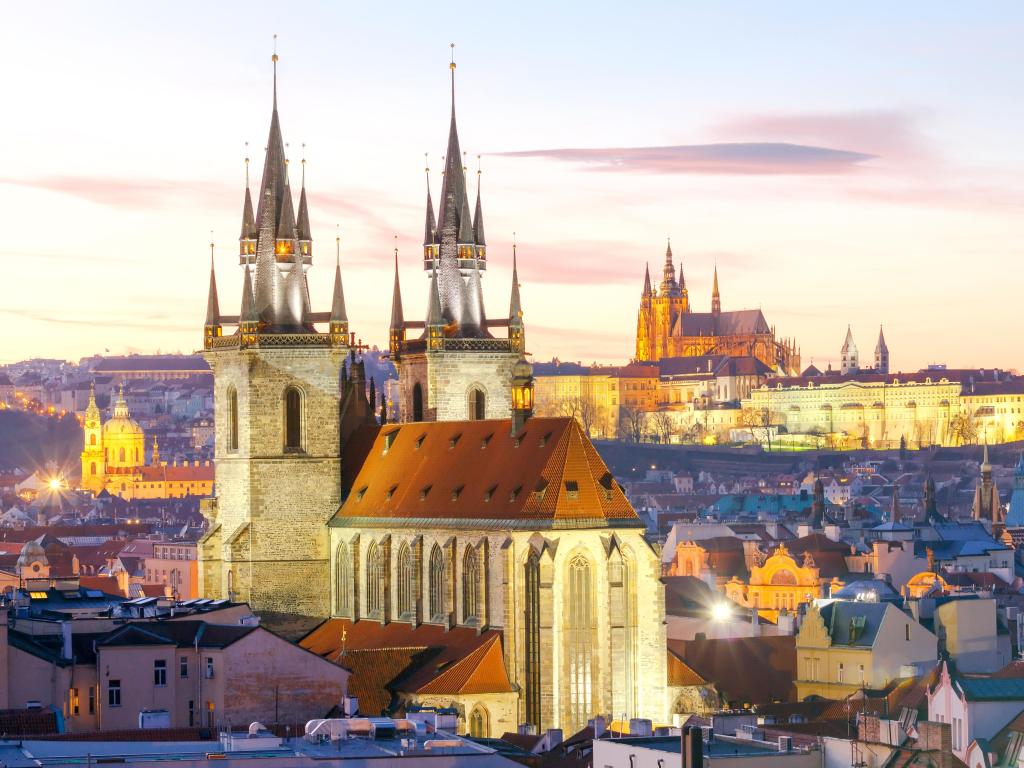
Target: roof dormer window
{"type": "Point", "coordinates": [424, 492]}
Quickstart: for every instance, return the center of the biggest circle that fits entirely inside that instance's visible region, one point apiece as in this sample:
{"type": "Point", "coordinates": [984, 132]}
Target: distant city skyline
{"type": "Point", "coordinates": [841, 167]}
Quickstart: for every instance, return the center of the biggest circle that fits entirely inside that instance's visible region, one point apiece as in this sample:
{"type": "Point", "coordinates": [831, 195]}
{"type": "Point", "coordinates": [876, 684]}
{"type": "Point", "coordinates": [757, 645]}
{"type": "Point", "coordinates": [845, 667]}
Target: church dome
{"type": "Point", "coordinates": [121, 423]}
{"type": "Point", "coordinates": [32, 552]}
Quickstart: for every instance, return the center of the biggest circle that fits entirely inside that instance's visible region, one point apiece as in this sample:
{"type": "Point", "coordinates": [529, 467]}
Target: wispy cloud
{"type": "Point", "coordinates": [129, 193]}
{"type": "Point", "coordinates": [47, 316]}
{"type": "Point", "coordinates": [738, 158]}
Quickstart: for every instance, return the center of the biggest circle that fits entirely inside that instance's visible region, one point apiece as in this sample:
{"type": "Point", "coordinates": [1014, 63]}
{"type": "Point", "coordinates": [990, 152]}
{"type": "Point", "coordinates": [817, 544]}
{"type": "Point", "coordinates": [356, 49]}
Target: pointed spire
{"type": "Point", "coordinates": [894, 512]}
{"type": "Point", "coordinates": [515, 308]}
{"type": "Point", "coordinates": [430, 227]}
{"type": "Point", "coordinates": [212, 303]}
{"type": "Point", "coordinates": [302, 228]}
{"type": "Point", "coordinates": [716, 299]}
{"type": "Point", "coordinates": [434, 316]}
{"type": "Point", "coordinates": [249, 231]}
{"type": "Point", "coordinates": [986, 466]}
{"type": "Point", "coordinates": [478, 216]}
{"type": "Point", "coordinates": [647, 280]}
{"type": "Point", "coordinates": [669, 286]}
{"type": "Point", "coordinates": [248, 313]}
{"type": "Point", "coordinates": [338, 314]}
{"type": "Point", "coordinates": [397, 314]}
{"type": "Point", "coordinates": [286, 224]}
{"type": "Point", "coordinates": [454, 183]}
{"type": "Point", "coordinates": [473, 321]}
{"type": "Point", "coordinates": [682, 280]}
{"type": "Point", "coordinates": [881, 345]}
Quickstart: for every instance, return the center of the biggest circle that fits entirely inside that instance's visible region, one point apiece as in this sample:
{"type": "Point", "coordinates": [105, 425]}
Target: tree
{"type": "Point", "coordinates": [582, 408]}
{"type": "Point", "coordinates": [760, 422]}
{"type": "Point", "coordinates": [663, 426]}
{"type": "Point", "coordinates": [818, 433]}
{"type": "Point", "coordinates": [963, 429]}
{"type": "Point", "coordinates": [632, 423]}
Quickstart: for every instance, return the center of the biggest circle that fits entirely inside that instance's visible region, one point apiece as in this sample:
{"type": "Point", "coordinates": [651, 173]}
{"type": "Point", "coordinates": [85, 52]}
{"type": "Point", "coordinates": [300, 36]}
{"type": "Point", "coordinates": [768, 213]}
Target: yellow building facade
{"type": "Point", "coordinates": [114, 460]}
{"type": "Point", "coordinates": [780, 584]}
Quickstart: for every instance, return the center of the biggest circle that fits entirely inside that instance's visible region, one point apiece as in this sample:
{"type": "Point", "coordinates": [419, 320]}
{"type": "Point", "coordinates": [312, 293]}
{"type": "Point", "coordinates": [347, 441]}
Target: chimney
{"type": "Point", "coordinates": [639, 726]}
{"type": "Point", "coordinates": [598, 724]}
{"type": "Point", "coordinates": [527, 729]}
{"type": "Point", "coordinates": [693, 747]}
{"type": "Point", "coordinates": [938, 738]}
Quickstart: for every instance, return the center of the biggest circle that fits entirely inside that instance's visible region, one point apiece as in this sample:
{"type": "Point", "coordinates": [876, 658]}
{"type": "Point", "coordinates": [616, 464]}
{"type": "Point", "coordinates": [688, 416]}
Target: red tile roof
{"type": "Point", "coordinates": [745, 670]}
{"type": "Point", "coordinates": [477, 470]}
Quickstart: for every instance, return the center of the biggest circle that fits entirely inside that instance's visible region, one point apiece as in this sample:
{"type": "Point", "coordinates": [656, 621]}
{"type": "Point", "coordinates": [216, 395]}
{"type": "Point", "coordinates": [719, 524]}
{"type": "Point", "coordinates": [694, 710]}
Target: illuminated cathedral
{"type": "Point", "coordinates": [667, 326]}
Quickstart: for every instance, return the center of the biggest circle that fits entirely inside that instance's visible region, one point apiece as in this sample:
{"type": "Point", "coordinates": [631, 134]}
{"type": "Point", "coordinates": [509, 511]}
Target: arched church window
{"type": "Point", "coordinates": [292, 419]}
{"type": "Point", "coordinates": [376, 572]}
{"type": "Point", "coordinates": [406, 582]}
{"type": "Point", "coordinates": [477, 404]}
{"type": "Point", "coordinates": [436, 581]}
{"type": "Point", "coordinates": [478, 728]}
{"type": "Point", "coordinates": [417, 402]}
{"type": "Point", "coordinates": [579, 620]}
{"type": "Point", "coordinates": [232, 419]}
{"type": "Point", "coordinates": [92, 439]}
{"type": "Point", "coordinates": [92, 468]}
{"type": "Point", "coordinates": [343, 573]}
{"type": "Point", "coordinates": [471, 586]}
{"type": "Point", "coordinates": [120, 455]}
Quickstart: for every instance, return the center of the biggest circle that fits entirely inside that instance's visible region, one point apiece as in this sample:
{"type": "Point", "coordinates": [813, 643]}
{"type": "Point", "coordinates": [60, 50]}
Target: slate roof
{"type": "Point", "coordinates": [734, 323]}
{"type": "Point", "coordinates": [182, 633]}
{"type": "Point", "coordinates": [550, 472]}
{"type": "Point", "coordinates": [143, 363]}
{"type": "Point", "coordinates": [839, 616]}
{"type": "Point", "coordinates": [885, 591]}
{"type": "Point", "coordinates": [991, 688]}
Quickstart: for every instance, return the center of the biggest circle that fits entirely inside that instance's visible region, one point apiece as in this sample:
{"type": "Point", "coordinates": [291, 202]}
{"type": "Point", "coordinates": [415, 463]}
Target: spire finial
{"type": "Point", "coordinates": [303, 165]}
{"type": "Point", "coordinates": [451, 66]}
{"type": "Point", "coordinates": [337, 243]}
{"type": "Point", "coordinates": [211, 248]}
{"type": "Point", "coordinates": [247, 165]}
{"type": "Point", "coordinates": [513, 246]}
{"type": "Point", "coordinates": [274, 59]}
{"type": "Point", "coordinates": [426, 167]}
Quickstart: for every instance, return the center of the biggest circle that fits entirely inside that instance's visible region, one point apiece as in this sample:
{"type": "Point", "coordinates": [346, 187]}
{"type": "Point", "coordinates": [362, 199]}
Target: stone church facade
{"type": "Point", "coordinates": [470, 518]}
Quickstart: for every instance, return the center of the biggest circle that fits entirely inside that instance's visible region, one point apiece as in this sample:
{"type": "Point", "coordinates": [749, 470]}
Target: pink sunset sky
{"type": "Point", "coordinates": [842, 165]}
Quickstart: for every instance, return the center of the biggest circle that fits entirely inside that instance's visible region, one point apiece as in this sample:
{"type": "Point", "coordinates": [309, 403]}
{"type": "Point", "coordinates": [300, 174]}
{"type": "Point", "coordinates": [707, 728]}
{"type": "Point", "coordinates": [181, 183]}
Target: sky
{"type": "Point", "coordinates": [841, 164]}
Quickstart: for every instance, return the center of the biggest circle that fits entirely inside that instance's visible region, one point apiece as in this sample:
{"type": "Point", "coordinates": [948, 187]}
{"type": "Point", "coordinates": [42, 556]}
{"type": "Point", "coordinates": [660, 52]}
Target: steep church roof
{"type": "Point", "coordinates": [548, 473]}
{"type": "Point", "coordinates": [734, 323]}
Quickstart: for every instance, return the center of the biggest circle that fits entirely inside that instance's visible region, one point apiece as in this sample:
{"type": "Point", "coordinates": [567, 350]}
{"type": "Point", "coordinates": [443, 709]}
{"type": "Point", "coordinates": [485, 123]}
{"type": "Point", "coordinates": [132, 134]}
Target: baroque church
{"type": "Point", "coordinates": [494, 544]}
{"type": "Point", "coordinates": [668, 327]}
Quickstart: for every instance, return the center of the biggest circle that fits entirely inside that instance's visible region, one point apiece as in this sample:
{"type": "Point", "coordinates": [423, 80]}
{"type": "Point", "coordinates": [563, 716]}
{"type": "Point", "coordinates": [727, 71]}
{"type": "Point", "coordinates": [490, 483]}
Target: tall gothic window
{"type": "Point", "coordinates": [531, 624]}
{"type": "Point", "coordinates": [92, 468]}
{"type": "Point", "coordinates": [579, 620]}
{"type": "Point", "coordinates": [92, 439]}
{"type": "Point", "coordinates": [629, 639]}
{"type": "Point", "coordinates": [417, 402]}
{"type": "Point", "coordinates": [375, 581]}
{"type": "Point", "coordinates": [344, 580]}
{"type": "Point", "coordinates": [292, 419]}
{"type": "Point", "coordinates": [471, 586]}
{"type": "Point", "coordinates": [232, 417]}
{"type": "Point", "coordinates": [478, 726]}
{"type": "Point", "coordinates": [120, 455]}
{"type": "Point", "coordinates": [477, 404]}
{"type": "Point", "coordinates": [436, 584]}
{"type": "Point", "coordinates": [406, 582]}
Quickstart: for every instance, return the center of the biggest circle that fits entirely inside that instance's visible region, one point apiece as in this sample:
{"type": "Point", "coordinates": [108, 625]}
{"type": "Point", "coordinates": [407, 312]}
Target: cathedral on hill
{"type": "Point", "coordinates": [473, 556]}
{"type": "Point", "coordinates": [668, 327]}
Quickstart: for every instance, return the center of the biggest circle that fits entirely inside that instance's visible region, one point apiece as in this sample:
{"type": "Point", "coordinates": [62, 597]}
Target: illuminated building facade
{"type": "Point", "coordinates": [667, 326]}
{"type": "Point", "coordinates": [114, 460]}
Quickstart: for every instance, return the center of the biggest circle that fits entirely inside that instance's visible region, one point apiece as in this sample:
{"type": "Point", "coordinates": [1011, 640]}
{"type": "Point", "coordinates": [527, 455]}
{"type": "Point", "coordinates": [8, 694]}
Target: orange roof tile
{"type": "Point", "coordinates": [477, 470]}
{"type": "Point", "coordinates": [483, 671]}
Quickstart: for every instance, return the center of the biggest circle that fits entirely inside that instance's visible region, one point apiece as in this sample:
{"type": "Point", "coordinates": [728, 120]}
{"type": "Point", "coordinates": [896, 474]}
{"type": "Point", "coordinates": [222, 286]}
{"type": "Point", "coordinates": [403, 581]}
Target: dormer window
{"type": "Point", "coordinates": [389, 440]}
{"type": "Point", "coordinates": [456, 492]}
{"type": "Point", "coordinates": [489, 493]}
{"type": "Point", "coordinates": [391, 492]}
{"type": "Point", "coordinates": [544, 440]}
{"type": "Point", "coordinates": [424, 492]}
{"type": "Point", "coordinates": [360, 493]}
{"type": "Point", "coordinates": [515, 493]}
{"type": "Point", "coordinates": [419, 441]}
{"type": "Point", "coordinates": [454, 441]}
{"type": "Point", "coordinates": [572, 489]}
{"type": "Point", "coordinates": [486, 441]}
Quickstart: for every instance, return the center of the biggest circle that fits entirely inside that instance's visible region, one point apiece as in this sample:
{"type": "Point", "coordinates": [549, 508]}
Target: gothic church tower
{"type": "Point", "coordinates": [456, 368]}
{"type": "Point", "coordinates": [279, 411]}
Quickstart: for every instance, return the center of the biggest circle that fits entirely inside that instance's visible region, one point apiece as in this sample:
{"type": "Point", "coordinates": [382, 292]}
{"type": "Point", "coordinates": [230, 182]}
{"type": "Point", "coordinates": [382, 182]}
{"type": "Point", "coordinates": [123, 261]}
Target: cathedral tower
{"type": "Point", "coordinates": [456, 368]}
{"type": "Point", "coordinates": [279, 411]}
{"type": "Point", "coordinates": [850, 360]}
{"type": "Point", "coordinates": [881, 353]}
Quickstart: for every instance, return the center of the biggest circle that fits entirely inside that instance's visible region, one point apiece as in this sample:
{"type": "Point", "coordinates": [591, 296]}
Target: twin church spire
{"type": "Point", "coordinates": [454, 256]}
{"type": "Point", "coordinates": [275, 247]}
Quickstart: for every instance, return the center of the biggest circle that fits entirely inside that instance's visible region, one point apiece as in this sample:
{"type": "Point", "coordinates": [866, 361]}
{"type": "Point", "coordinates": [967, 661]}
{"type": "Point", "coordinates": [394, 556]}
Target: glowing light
{"type": "Point", "coordinates": [720, 612]}
{"type": "Point", "coordinates": [55, 483]}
